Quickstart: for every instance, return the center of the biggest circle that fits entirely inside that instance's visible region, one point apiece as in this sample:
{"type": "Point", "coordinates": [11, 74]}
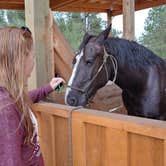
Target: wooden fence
{"type": "Point", "coordinates": [100, 138]}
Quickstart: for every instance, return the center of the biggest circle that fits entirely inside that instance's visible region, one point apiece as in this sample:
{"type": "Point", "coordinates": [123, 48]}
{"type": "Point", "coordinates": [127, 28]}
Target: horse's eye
{"type": "Point", "coordinates": [89, 63]}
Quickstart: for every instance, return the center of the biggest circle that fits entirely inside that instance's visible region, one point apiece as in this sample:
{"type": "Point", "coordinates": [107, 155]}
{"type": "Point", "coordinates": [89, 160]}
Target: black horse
{"type": "Point", "coordinates": [141, 74]}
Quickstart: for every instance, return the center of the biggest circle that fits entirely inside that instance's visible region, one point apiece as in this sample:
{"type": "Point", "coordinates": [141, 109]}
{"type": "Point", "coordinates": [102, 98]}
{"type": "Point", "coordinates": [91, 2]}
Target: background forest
{"type": "Point", "coordinates": [74, 25]}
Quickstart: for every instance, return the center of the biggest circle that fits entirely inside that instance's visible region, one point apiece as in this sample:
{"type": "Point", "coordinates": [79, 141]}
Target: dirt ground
{"type": "Point", "coordinates": [107, 98]}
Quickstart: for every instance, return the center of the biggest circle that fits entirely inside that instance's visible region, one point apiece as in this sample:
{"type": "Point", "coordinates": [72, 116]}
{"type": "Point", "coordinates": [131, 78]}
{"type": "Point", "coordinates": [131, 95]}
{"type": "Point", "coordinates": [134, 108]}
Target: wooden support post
{"type": "Point", "coordinates": [128, 19]}
{"type": "Point", "coordinates": [37, 15]}
{"type": "Point", "coordinates": [109, 19]}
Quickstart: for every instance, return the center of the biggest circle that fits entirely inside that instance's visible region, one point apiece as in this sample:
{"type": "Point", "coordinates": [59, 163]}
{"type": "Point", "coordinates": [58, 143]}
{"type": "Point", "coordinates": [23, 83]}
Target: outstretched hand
{"type": "Point", "coordinates": [56, 81]}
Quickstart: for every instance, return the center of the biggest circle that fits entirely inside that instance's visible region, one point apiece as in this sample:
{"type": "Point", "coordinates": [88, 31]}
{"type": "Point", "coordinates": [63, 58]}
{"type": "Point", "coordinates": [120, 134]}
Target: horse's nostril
{"type": "Point", "coordinates": [72, 101]}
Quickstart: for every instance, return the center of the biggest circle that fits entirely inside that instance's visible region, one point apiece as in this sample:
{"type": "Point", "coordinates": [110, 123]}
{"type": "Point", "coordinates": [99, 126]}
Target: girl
{"type": "Point", "coordinates": [18, 126]}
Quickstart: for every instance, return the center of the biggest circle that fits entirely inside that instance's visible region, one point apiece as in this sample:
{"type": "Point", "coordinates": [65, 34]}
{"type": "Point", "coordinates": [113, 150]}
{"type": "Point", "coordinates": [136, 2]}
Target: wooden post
{"type": "Point", "coordinates": [128, 19]}
{"type": "Point", "coordinates": [37, 16]}
{"type": "Point", "coordinates": [109, 19]}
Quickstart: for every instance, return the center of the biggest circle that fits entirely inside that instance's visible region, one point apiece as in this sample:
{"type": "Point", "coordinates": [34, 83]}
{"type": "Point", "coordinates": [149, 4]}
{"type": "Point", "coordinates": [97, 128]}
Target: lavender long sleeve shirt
{"type": "Point", "coordinates": [13, 152]}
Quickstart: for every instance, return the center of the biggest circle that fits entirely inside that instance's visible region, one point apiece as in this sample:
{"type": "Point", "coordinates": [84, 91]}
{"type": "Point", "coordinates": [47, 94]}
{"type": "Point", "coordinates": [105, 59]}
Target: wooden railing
{"type": "Point", "coordinates": [100, 138]}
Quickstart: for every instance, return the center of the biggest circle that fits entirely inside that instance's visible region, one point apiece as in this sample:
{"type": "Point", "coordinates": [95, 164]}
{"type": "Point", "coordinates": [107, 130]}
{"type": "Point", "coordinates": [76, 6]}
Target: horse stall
{"type": "Point", "coordinates": [99, 138]}
{"type": "Point", "coordinates": [86, 137]}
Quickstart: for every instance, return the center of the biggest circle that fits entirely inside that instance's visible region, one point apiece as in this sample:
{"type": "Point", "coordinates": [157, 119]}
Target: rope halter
{"type": "Point", "coordinates": [115, 68]}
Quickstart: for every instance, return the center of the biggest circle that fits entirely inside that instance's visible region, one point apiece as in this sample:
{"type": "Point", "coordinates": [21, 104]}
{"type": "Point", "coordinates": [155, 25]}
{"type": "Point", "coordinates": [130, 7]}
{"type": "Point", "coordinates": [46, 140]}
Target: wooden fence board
{"type": "Point", "coordinates": [78, 132]}
{"type": "Point", "coordinates": [145, 150]}
{"type": "Point", "coordinates": [61, 141]}
{"type": "Point", "coordinates": [47, 139]}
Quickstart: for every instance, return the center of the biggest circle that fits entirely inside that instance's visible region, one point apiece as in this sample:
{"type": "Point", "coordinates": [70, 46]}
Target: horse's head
{"type": "Point", "coordinates": [89, 70]}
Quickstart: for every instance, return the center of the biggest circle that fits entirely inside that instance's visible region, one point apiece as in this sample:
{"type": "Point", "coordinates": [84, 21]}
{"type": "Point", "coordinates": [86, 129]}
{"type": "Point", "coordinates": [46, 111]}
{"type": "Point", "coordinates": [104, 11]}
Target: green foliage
{"type": "Point", "coordinates": [74, 25]}
{"type": "Point", "coordinates": [116, 33]}
{"type": "Point", "coordinates": [154, 36]}
{"type": "Point", "coordinates": [12, 18]}
{"type": "Point", "coordinates": [2, 18]}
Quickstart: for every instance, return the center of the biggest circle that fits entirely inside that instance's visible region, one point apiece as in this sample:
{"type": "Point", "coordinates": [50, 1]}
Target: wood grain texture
{"type": "Point", "coordinates": [85, 5]}
{"type": "Point", "coordinates": [100, 138]}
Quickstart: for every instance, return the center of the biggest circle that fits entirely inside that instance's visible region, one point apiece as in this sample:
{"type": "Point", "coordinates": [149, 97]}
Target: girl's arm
{"type": "Point", "coordinates": [39, 93]}
{"type": "Point", "coordinates": [43, 91]}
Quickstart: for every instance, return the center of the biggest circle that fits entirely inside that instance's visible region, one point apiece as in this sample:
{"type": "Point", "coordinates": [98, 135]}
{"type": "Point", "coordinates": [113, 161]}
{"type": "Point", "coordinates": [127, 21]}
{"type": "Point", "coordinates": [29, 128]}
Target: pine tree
{"type": "Point", "coordinates": [12, 18]}
{"type": "Point", "coordinates": [74, 25]}
{"type": "Point", "coordinates": [155, 31]}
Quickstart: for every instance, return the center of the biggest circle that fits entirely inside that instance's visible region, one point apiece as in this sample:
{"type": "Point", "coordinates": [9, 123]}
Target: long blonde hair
{"type": "Point", "coordinates": [15, 45]}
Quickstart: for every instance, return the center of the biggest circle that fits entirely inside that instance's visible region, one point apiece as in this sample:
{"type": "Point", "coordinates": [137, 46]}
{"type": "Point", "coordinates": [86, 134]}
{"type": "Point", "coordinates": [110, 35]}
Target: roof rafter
{"type": "Point", "coordinates": [95, 6]}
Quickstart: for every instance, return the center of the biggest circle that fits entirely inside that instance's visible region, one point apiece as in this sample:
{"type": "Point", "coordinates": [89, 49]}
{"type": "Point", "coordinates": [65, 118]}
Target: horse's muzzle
{"type": "Point", "coordinates": [74, 98]}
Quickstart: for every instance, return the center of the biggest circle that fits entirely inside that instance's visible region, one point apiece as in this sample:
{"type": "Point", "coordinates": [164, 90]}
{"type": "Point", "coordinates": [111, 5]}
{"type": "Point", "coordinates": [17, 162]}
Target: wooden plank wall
{"type": "Point", "coordinates": [100, 138]}
{"type": "Point", "coordinates": [63, 53]}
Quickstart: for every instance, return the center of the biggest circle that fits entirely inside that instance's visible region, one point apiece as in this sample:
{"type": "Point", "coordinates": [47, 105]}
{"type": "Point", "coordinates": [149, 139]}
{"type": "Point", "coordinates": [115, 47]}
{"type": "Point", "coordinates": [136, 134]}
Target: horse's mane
{"type": "Point", "coordinates": [136, 55]}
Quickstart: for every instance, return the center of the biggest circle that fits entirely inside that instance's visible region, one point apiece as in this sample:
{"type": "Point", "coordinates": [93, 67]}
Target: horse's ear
{"type": "Point", "coordinates": [103, 35]}
{"type": "Point", "coordinates": [85, 40]}
{"type": "Point", "coordinates": [86, 36]}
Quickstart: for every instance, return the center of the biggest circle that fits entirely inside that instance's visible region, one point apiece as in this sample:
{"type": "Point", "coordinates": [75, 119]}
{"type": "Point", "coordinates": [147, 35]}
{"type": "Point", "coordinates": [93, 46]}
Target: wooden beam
{"type": "Point", "coordinates": [37, 16]}
{"type": "Point", "coordinates": [96, 6]}
{"type": "Point", "coordinates": [147, 4]}
{"type": "Point", "coordinates": [140, 5]}
{"type": "Point", "coordinates": [12, 6]}
{"type": "Point", "coordinates": [91, 5]}
{"type": "Point", "coordinates": [59, 3]}
{"type": "Point", "coordinates": [12, 2]}
{"type": "Point", "coordinates": [90, 10]}
{"type": "Point", "coordinates": [16, 5]}
{"type": "Point", "coordinates": [88, 6]}
{"type": "Point", "coordinates": [128, 19]}
{"type": "Point", "coordinates": [79, 9]}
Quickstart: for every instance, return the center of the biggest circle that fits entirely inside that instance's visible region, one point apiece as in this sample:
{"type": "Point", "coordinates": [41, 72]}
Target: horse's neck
{"type": "Point", "coordinates": [128, 79]}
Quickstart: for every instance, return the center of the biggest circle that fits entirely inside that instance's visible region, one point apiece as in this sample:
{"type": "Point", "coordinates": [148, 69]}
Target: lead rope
{"type": "Point", "coordinates": [114, 63]}
{"type": "Point", "coordinates": [70, 134]}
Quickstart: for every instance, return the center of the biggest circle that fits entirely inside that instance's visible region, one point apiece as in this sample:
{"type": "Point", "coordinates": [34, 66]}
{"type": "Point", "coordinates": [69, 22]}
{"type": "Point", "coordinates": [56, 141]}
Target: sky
{"type": "Point", "coordinates": [140, 17]}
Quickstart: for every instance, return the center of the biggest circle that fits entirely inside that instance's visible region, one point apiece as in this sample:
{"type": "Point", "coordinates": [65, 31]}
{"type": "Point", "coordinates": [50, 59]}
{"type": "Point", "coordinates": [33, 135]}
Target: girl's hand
{"type": "Point", "coordinates": [56, 81]}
